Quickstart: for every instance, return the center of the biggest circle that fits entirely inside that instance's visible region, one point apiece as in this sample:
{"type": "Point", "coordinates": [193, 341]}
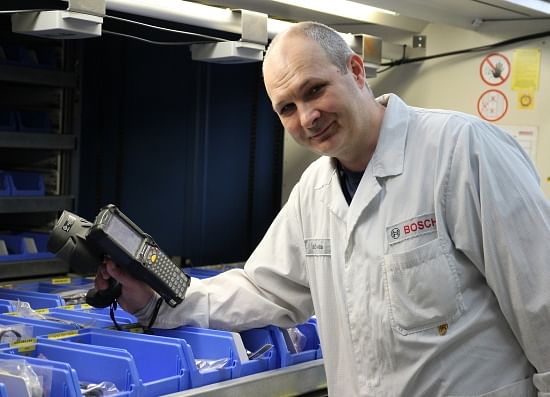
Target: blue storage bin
{"type": "Point", "coordinates": [64, 381]}
{"type": "Point", "coordinates": [27, 183]}
{"type": "Point", "coordinates": [19, 250]}
{"type": "Point", "coordinates": [3, 391]}
{"type": "Point", "coordinates": [310, 351]}
{"type": "Point", "coordinates": [200, 273]}
{"type": "Point", "coordinates": [162, 363]}
{"type": "Point", "coordinates": [16, 54]}
{"type": "Point", "coordinates": [37, 300]}
{"type": "Point", "coordinates": [5, 184]}
{"type": "Point", "coordinates": [6, 306]}
{"type": "Point", "coordinates": [206, 344]}
{"type": "Point", "coordinates": [93, 364]}
{"type": "Point", "coordinates": [33, 121]}
{"type": "Point", "coordinates": [39, 327]}
{"type": "Point", "coordinates": [209, 344]}
{"type": "Point", "coordinates": [58, 284]}
{"type": "Point", "coordinates": [89, 319]}
{"type": "Point", "coordinates": [8, 120]}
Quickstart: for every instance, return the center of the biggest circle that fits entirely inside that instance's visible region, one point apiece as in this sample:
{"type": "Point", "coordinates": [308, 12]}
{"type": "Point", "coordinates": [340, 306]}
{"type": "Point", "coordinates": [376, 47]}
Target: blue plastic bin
{"type": "Point", "coordinates": [8, 120]}
{"type": "Point", "coordinates": [27, 183]}
{"type": "Point", "coordinates": [33, 121]}
{"type": "Point", "coordinates": [6, 306]}
{"type": "Point", "coordinates": [162, 363]}
{"type": "Point", "coordinates": [93, 364]}
{"type": "Point", "coordinates": [18, 249]}
{"type": "Point", "coordinates": [39, 328]}
{"type": "Point", "coordinates": [200, 273]}
{"type": "Point", "coordinates": [310, 351]}
{"type": "Point", "coordinates": [3, 391]}
{"type": "Point", "coordinates": [209, 344]}
{"type": "Point", "coordinates": [37, 300]}
{"type": "Point", "coordinates": [5, 184]}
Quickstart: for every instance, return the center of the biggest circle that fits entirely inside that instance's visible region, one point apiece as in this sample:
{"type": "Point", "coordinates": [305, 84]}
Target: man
{"type": "Point", "coordinates": [420, 240]}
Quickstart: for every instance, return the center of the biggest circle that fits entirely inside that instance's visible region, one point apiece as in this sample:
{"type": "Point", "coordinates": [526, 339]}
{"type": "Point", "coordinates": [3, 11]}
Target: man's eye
{"type": "Point", "coordinates": [287, 109]}
{"type": "Point", "coordinates": [316, 89]}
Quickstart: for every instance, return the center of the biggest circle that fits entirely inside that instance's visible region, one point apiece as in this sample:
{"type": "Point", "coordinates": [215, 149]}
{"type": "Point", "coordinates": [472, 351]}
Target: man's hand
{"type": "Point", "coordinates": [135, 293]}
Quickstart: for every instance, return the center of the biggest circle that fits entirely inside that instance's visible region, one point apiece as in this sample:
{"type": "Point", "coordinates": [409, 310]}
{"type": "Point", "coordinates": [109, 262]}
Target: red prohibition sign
{"type": "Point", "coordinates": [492, 105]}
{"type": "Point", "coordinates": [494, 69]}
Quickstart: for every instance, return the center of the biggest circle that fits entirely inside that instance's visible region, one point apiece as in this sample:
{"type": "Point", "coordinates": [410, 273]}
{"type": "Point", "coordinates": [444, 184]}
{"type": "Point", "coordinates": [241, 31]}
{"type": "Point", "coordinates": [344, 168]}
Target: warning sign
{"type": "Point", "coordinates": [494, 69]}
{"type": "Point", "coordinates": [492, 105]}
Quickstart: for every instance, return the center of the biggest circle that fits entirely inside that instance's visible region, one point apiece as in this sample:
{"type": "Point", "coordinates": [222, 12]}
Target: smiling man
{"type": "Point", "coordinates": [420, 240]}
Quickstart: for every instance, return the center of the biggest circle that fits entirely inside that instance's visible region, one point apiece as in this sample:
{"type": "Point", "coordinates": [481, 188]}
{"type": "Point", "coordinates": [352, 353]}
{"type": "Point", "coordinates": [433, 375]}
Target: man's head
{"type": "Point", "coordinates": [318, 88]}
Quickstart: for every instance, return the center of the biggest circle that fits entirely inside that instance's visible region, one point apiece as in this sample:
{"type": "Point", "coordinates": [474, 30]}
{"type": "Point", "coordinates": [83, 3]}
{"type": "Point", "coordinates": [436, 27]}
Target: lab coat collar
{"type": "Point", "coordinates": [387, 160]}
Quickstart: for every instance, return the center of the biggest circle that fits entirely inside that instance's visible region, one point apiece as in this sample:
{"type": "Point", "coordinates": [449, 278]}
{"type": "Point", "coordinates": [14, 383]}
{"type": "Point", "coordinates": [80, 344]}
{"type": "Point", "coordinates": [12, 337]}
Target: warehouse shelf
{"type": "Point", "coordinates": [31, 268]}
{"type": "Point", "coordinates": [30, 75]}
{"type": "Point", "coordinates": [28, 140]}
{"type": "Point", "coordinates": [35, 204]}
{"type": "Point", "coordinates": [290, 381]}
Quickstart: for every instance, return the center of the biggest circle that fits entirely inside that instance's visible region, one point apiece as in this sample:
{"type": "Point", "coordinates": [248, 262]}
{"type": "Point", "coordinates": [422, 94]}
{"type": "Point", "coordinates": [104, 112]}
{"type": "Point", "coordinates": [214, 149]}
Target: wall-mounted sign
{"type": "Point", "coordinates": [492, 105]}
{"type": "Point", "coordinates": [494, 69]}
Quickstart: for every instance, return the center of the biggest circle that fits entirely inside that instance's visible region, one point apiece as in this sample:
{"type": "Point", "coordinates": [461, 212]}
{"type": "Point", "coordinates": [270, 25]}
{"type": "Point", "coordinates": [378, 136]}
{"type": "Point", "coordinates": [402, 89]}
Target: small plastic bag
{"type": "Point", "coordinates": [297, 338]}
{"type": "Point", "coordinates": [104, 388]}
{"type": "Point", "coordinates": [22, 371]}
{"type": "Point", "coordinates": [204, 364]}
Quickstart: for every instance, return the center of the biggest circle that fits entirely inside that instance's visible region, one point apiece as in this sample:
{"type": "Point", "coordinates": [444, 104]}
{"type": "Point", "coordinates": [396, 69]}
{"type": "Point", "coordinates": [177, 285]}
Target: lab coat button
{"type": "Point", "coordinates": [443, 329]}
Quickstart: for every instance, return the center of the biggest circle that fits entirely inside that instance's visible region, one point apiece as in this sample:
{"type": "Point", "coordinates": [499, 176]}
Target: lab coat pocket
{"type": "Point", "coordinates": [422, 287]}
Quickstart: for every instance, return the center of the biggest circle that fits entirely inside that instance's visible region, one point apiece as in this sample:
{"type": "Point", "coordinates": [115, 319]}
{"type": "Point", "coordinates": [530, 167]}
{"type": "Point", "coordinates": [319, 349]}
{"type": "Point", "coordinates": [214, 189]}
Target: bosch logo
{"type": "Point", "coordinates": [395, 233]}
{"type": "Point", "coordinates": [419, 225]}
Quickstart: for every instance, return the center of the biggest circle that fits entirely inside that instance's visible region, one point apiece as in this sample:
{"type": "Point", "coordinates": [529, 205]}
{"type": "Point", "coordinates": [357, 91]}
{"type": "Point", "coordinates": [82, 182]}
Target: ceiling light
{"type": "Point", "coordinates": [342, 8]}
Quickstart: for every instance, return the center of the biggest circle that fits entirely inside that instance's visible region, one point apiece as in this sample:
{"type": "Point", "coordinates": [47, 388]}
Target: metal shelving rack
{"type": "Point", "coordinates": [53, 154]}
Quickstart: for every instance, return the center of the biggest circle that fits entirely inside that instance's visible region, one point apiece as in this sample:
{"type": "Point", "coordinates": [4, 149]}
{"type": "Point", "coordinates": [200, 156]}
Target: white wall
{"type": "Point", "coordinates": [455, 83]}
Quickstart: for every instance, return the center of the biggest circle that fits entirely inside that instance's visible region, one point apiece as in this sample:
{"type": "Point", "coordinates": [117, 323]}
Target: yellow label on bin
{"type": "Point", "coordinates": [85, 306]}
{"type": "Point", "coordinates": [11, 313]}
{"type": "Point", "coordinates": [61, 280]}
{"type": "Point", "coordinates": [24, 345]}
{"type": "Point", "coordinates": [42, 311]}
{"type": "Point", "coordinates": [64, 334]}
{"type": "Point", "coordinates": [67, 307]}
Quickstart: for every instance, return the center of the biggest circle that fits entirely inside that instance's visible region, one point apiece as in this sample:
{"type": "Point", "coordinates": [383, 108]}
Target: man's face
{"type": "Point", "coordinates": [318, 105]}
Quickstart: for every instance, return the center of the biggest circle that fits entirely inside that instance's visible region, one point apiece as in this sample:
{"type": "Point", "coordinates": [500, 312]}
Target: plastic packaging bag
{"type": "Point", "coordinates": [18, 373]}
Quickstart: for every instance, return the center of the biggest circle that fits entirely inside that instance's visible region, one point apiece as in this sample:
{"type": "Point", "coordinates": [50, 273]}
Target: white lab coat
{"type": "Point", "coordinates": [435, 281]}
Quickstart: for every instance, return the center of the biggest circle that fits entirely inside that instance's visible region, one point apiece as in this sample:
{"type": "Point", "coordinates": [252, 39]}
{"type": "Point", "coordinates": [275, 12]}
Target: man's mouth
{"type": "Point", "coordinates": [319, 135]}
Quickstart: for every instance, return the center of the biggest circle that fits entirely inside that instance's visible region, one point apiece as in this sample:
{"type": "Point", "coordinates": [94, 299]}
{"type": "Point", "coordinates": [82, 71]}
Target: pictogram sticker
{"type": "Point", "coordinates": [492, 105]}
{"type": "Point", "coordinates": [494, 69]}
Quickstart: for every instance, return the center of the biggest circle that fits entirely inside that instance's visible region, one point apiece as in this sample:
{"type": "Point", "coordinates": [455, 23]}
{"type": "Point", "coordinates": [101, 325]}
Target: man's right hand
{"type": "Point", "coordinates": [135, 293]}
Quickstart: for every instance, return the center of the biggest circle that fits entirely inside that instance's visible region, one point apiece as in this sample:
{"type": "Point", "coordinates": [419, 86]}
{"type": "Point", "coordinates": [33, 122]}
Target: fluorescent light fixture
{"type": "Point", "coordinates": [342, 8]}
{"type": "Point", "coordinates": [535, 5]}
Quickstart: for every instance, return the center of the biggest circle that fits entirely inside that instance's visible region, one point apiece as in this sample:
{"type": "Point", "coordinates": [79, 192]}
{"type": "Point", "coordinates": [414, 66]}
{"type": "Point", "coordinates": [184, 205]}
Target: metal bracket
{"type": "Point", "coordinates": [92, 7]}
{"type": "Point", "coordinates": [253, 26]}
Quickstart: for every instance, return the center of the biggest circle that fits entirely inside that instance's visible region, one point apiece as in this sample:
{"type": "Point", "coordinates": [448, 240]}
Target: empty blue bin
{"type": "Point", "coordinates": [33, 121]}
{"type": "Point", "coordinates": [8, 120]}
{"type": "Point", "coordinates": [27, 183]}
{"type": "Point", "coordinates": [5, 184]}
{"type": "Point", "coordinates": [25, 247]}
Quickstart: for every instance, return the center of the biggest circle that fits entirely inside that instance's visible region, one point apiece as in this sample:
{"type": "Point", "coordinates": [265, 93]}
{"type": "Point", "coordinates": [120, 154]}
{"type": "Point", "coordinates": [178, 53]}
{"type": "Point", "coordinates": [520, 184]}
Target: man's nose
{"type": "Point", "coordinates": [309, 116]}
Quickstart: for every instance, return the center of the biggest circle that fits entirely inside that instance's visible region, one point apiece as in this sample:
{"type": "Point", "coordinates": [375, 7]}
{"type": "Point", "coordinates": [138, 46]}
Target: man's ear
{"type": "Point", "coordinates": [357, 68]}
